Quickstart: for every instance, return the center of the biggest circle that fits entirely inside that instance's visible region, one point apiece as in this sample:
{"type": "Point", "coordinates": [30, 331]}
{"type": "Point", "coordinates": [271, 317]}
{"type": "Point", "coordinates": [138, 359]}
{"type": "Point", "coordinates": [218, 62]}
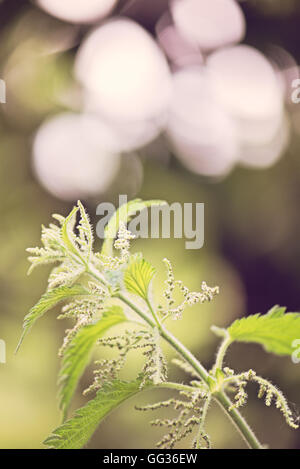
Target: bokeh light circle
{"type": "Point", "coordinates": [123, 68]}
{"type": "Point", "coordinates": [78, 11]}
{"type": "Point", "coordinates": [211, 24]}
{"type": "Point", "coordinates": [69, 163]}
{"type": "Point", "coordinates": [202, 134]}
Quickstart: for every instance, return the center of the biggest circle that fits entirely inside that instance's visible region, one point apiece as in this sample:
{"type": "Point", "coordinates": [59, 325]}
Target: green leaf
{"type": "Point", "coordinates": [78, 353]}
{"type": "Point", "coordinates": [275, 330]}
{"type": "Point", "coordinates": [138, 276]}
{"type": "Point", "coordinates": [76, 432]}
{"type": "Point", "coordinates": [50, 299]}
{"type": "Point", "coordinates": [123, 215]}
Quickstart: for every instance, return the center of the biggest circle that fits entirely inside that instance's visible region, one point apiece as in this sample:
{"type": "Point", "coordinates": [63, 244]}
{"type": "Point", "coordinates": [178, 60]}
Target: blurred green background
{"type": "Point", "coordinates": [252, 248]}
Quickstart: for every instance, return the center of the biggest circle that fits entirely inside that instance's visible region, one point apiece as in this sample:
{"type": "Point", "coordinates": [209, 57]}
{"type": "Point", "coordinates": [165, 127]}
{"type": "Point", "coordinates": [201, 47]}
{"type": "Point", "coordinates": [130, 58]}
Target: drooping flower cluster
{"type": "Point", "coordinates": [266, 389]}
{"type": "Point", "coordinates": [84, 311]}
{"type": "Point", "coordinates": [189, 298]}
{"type": "Point", "coordinates": [154, 369]}
{"type": "Point", "coordinates": [192, 414]}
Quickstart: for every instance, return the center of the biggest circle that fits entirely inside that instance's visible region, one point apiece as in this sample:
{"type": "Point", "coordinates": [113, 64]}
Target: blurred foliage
{"type": "Point", "coordinates": [252, 246]}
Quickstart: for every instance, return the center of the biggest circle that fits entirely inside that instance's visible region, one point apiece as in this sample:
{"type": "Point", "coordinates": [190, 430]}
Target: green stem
{"type": "Point", "coordinates": [203, 418]}
{"type": "Point", "coordinates": [176, 386]}
{"type": "Point", "coordinates": [93, 272]}
{"type": "Point", "coordinates": [186, 354]}
{"type": "Point", "coordinates": [222, 352]}
{"type": "Point", "coordinates": [153, 314]}
{"type": "Point", "coordinates": [137, 310]}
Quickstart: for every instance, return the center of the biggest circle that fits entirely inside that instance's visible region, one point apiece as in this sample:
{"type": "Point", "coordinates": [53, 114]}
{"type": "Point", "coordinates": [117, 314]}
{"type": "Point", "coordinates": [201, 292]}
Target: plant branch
{"type": "Point", "coordinates": [93, 272]}
{"type": "Point", "coordinates": [153, 314]}
{"type": "Point", "coordinates": [222, 352]}
{"type": "Point", "coordinates": [203, 418]}
{"type": "Point", "coordinates": [137, 310]}
{"type": "Point", "coordinates": [176, 386]}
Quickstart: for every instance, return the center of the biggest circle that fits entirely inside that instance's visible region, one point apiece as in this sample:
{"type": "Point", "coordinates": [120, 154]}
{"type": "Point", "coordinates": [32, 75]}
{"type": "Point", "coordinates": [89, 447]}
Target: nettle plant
{"type": "Point", "coordinates": [102, 290]}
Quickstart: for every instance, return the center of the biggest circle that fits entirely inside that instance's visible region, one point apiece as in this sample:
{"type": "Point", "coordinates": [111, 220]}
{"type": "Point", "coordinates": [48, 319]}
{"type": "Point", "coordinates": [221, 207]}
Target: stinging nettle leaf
{"type": "Point", "coordinates": [78, 354]}
{"type": "Point", "coordinates": [275, 331]}
{"type": "Point", "coordinates": [50, 299]}
{"type": "Point", "coordinates": [138, 276]}
{"type": "Point", "coordinates": [76, 432]}
{"type": "Point", "coordinates": [123, 215]}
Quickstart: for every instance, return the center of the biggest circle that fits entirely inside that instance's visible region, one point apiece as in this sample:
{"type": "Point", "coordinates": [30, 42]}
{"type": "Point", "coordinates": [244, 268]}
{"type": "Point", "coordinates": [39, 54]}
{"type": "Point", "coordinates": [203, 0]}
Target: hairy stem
{"type": "Point", "coordinates": [203, 418]}
{"type": "Point", "coordinates": [186, 354]}
{"type": "Point", "coordinates": [137, 310]}
{"type": "Point", "coordinates": [222, 352]}
{"type": "Point", "coordinates": [153, 314]}
{"type": "Point", "coordinates": [93, 272]}
{"type": "Point", "coordinates": [176, 386]}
